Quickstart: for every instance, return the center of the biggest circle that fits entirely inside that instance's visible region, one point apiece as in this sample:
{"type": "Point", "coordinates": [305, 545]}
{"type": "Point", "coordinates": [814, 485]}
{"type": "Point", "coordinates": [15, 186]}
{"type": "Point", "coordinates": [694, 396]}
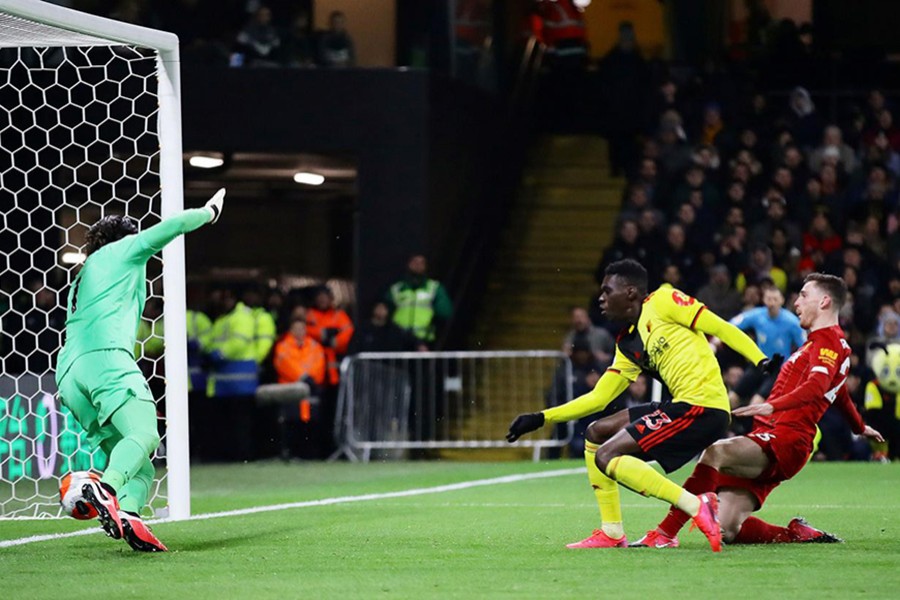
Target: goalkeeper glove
{"type": "Point", "coordinates": [770, 366]}
{"type": "Point", "coordinates": [524, 424]}
{"type": "Point", "coordinates": [214, 205]}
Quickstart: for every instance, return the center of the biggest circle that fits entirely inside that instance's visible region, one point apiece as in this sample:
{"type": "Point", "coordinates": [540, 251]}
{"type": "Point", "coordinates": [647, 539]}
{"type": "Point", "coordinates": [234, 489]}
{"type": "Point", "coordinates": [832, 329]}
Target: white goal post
{"type": "Point", "coordinates": [90, 124]}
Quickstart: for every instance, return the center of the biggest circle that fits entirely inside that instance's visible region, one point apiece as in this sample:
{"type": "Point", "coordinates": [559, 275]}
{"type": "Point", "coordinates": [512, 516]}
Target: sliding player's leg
{"type": "Point", "coordinates": [737, 455]}
{"type": "Point", "coordinates": [611, 533]}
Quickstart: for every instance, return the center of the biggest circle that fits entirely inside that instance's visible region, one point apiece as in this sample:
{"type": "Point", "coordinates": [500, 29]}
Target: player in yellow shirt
{"type": "Point", "coordinates": [663, 335]}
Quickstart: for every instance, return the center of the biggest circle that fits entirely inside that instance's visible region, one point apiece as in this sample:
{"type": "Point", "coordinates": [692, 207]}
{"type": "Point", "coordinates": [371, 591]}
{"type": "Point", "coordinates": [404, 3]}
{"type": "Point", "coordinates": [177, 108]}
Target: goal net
{"type": "Point", "coordinates": [89, 126]}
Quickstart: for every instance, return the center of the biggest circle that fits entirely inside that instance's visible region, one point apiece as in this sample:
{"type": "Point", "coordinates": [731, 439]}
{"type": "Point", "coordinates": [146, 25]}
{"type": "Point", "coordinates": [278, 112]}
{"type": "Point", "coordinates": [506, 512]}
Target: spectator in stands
{"type": "Point", "coordinates": [264, 327]}
{"type": "Point", "coordinates": [887, 331]}
{"type": "Point", "coordinates": [674, 151]}
{"type": "Point", "coordinates": [332, 328]}
{"type": "Point", "coordinates": [878, 197]}
{"type": "Point", "coordinates": [297, 48]}
{"type": "Point", "coordinates": [586, 371]}
{"type": "Point", "coordinates": [884, 127]}
{"type": "Point", "coordinates": [419, 304]}
{"type": "Point", "coordinates": [676, 252]}
{"type": "Point", "coordinates": [627, 244]}
{"type": "Point", "coordinates": [637, 392]}
{"type": "Point", "coordinates": [234, 377]}
{"type": "Point", "coordinates": [881, 152]}
{"type": "Point", "coordinates": [784, 254]}
{"type": "Point", "coordinates": [776, 216]}
{"type": "Point", "coordinates": [777, 331]}
{"type": "Point", "coordinates": [719, 295]}
{"type": "Point", "coordinates": [831, 195]}
{"type": "Point", "coordinates": [803, 119]}
{"type": "Point", "coordinates": [259, 41]}
{"type": "Point", "coordinates": [833, 142]}
{"type": "Point", "coordinates": [381, 334]}
{"type": "Point", "coordinates": [625, 82]}
{"type": "Point", "coordinates": [713, 130]}
{"type": "Point", "coordinates": [701, 193]}
{"type": "Point", "coordinates": [300, 358]}
{"type": "Point", "coordinates": [636, 200]}
{"type": "Point", "coordinates": [198, 329]}
{"type": "Point", "coordinates": [667, 97]}
{"type": "Point", "coordinates": [336, 48]}
{"type": "Point", "coordinates": [648, 178]}
{"type": "Point", "coordinates": [760, 269]}
{"type": "Point", "coordinates": [598, 340]}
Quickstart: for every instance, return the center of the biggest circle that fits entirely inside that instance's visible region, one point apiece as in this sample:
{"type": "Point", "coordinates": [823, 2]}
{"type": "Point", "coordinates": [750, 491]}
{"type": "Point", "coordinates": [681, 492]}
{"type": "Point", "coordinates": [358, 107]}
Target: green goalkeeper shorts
{"type": "Point", "coordinates": [96, 385]}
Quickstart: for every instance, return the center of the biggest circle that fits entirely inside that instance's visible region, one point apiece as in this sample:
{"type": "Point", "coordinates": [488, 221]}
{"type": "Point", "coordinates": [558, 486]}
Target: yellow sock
{"type": "Point", "coordinates": [607, 492]}
{"type": "Point", "coordinates": [637, 475]}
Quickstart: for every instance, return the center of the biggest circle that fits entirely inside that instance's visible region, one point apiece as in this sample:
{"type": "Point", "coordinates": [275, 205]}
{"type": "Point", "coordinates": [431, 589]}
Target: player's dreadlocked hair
{"type": "Point", "coordinates": [108, 230]}
{"type": "Point", "coordinates": [833, 286]}
{"type": "Point", "coordinates": [631, 271]}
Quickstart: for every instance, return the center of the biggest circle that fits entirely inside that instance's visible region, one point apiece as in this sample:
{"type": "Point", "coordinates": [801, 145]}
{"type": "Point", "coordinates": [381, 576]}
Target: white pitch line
{"type": "Point", "coordinates": [439, 489]}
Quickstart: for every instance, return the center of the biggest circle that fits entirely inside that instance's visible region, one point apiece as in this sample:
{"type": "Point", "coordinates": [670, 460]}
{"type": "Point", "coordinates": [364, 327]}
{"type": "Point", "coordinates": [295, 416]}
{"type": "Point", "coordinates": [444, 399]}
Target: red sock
{"type": "Point", "coordinates": [703, 479]}
{"type": "Point", "coordinates": [757, 531]}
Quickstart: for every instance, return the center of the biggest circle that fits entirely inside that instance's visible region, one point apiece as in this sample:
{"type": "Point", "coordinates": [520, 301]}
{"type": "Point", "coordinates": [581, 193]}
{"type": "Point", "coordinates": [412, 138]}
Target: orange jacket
{"type": "Point", "coordinates": [293, 361]}
{"type": "Point", "coordinates": [317, 322]}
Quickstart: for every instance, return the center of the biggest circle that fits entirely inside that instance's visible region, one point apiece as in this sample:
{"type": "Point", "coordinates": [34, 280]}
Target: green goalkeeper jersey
{"type": "Point", "coordinates": [107, 298]}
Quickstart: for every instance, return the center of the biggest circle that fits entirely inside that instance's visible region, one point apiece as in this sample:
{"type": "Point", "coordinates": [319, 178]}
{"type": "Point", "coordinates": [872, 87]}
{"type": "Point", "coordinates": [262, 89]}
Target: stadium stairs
{"type": "Point", "coordinates": [563, 218]}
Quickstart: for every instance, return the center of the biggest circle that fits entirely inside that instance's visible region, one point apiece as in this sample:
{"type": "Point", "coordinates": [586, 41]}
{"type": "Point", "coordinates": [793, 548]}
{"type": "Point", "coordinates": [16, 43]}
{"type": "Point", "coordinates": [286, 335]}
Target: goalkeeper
{"type": "Point", "coordinates": [664, 335]}
{"type": "Point", "coordinates": [96, 374]}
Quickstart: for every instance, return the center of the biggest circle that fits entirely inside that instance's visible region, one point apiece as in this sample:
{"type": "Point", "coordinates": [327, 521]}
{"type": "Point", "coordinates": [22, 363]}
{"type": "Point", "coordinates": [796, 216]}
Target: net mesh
{"type": "Point", "coordinates": [78, 141]}
{"type": "Point", "coordinates": [16, 32]}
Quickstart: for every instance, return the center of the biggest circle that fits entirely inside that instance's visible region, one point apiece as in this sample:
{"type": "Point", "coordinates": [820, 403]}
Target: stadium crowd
{"type": "Point", "coordinates": [729, 195]}
{"type": "Point", "coordinates": [239, 33]}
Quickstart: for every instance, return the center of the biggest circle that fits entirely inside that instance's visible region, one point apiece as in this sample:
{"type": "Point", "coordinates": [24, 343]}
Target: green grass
{"type": "Point", "coordinates": [496, 541]}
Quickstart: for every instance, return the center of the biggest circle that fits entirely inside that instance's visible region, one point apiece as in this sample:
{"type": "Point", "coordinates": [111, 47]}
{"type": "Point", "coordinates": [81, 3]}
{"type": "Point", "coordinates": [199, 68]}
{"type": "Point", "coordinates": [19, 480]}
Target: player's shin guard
{"type": "Point", "coordinates": [757, 531]}
{"type": "Point", "coordinates": [607, 493]}
{"type": "Point", "coordinates": [703, 479]}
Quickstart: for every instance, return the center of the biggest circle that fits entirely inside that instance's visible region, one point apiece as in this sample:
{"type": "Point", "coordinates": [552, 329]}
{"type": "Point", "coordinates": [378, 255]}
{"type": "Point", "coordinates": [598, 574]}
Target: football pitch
{"type": "Point", "coordinates": [457, 530]}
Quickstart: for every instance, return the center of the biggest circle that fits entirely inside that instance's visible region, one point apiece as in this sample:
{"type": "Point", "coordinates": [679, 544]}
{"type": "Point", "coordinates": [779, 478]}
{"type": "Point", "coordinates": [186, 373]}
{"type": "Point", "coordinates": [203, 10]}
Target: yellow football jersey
{"type": "Point", "coordinates": [665, 344]}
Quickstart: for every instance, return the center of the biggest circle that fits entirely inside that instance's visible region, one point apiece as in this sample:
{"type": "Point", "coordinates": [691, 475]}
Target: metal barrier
{"type": "Point", "coordinates": [393, 402]}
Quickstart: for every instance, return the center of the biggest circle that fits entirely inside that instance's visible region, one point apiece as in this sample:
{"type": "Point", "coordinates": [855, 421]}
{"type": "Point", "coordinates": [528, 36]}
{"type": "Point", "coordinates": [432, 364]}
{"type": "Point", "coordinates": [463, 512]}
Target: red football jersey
{"type": "Point", "coordinates": [811, 380]}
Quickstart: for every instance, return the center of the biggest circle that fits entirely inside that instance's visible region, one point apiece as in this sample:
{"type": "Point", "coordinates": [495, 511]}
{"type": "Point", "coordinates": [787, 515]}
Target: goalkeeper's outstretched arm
{"type": "Point", "coordinates": [152, 240]}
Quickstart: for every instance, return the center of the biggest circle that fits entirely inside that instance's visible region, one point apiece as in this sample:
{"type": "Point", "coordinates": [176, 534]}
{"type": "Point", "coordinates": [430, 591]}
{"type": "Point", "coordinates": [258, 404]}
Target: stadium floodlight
{"type": "Point", "coordinates": [90, 124]}
{"type": "Point", "coordinates": [309, 178]}
{"type": "Point", "coordinates": [73, 258]}
{"type": "Point", "coordinates": [206, 161]}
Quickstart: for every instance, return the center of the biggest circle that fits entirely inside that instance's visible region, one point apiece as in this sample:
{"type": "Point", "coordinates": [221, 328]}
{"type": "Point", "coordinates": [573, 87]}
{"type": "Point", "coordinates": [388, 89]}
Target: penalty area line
{"type": "Point", "coordinates": [438, 489]}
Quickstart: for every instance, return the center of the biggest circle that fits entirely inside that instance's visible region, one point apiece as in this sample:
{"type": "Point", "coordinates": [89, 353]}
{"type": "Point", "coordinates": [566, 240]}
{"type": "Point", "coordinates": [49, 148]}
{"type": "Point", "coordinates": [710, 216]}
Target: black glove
{"type": "Point", "coordinates": [524, 424]}
{"type": "Point", "coordinates": [770, 366]}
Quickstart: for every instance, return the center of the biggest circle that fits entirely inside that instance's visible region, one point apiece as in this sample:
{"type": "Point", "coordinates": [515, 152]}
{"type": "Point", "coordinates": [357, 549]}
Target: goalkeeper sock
{"type": "Point", "coordinates": [757, 531]}
{"type": "Point", "coordinates": [133, 495]}
{"type": "Point", "coordinates": [607, 492]}
{"type": "Point", "coordinates": [703, 479]}
{"type": "Point", "coordinates": [640, 477]}
{"type": "Point", "coordinates": [135, 421]}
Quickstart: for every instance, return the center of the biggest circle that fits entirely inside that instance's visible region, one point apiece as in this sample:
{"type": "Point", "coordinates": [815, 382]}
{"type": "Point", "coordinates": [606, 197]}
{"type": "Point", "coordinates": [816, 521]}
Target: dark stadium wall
{"type": "Point", "coordinates": [384, 118]}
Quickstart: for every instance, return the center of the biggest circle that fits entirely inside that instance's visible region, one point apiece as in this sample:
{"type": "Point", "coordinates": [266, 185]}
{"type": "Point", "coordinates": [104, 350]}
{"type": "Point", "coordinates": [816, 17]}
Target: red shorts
{"type": "Point", "coordinates": [788, 452]}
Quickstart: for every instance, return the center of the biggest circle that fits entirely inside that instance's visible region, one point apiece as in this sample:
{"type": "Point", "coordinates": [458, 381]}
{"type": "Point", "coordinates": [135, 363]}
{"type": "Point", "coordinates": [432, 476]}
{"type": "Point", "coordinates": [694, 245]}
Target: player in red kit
{"type": "Point", "coordinates": [744, 470]}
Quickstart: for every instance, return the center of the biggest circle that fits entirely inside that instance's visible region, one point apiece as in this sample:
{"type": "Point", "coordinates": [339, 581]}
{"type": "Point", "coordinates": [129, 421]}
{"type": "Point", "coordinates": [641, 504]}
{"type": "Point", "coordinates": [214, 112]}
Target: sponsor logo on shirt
{"type": "Point", "coordinates": [828, 356]}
